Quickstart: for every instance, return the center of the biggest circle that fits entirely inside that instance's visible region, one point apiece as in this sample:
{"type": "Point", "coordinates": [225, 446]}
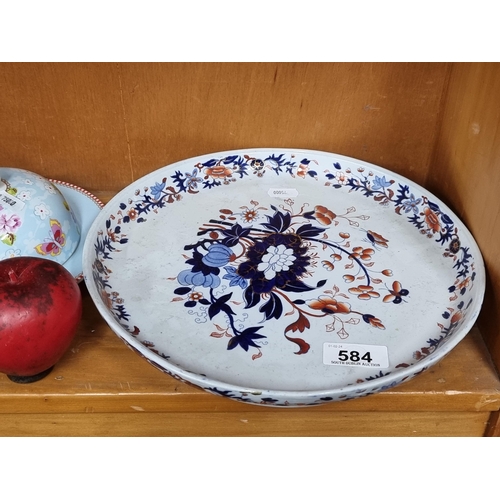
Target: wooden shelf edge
{"type": "Point", "coordinates": [262, 424]}
{"type": "Point", "coordinates": [104, 376]}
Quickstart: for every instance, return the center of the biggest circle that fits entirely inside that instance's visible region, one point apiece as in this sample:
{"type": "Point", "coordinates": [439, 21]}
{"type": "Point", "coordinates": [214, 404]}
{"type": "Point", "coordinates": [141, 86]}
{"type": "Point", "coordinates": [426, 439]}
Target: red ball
{"type": "Point", "coordinates": [40, 308]}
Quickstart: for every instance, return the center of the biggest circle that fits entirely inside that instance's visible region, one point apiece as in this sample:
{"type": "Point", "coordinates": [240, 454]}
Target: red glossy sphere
{"type": "Point", "coordinates": [40, 308]}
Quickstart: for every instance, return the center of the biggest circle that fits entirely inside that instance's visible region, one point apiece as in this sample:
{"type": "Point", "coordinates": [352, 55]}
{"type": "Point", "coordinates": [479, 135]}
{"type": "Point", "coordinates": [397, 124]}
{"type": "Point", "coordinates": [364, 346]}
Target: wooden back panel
{"type": "Point", "coordinates": [101, 126]}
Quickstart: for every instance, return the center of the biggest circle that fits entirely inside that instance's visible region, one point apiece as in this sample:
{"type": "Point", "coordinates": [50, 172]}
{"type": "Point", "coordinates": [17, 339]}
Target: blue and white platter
{"type": "Point", "coordinates": [284, 277]}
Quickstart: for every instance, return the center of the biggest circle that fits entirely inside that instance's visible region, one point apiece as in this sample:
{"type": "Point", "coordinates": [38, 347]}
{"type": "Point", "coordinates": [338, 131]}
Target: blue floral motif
{"type": "Point", "coordinates": [380, 183]}
{"type": "Point", "coordinates": [157, 189]}
{"type": "Point", "coordinates": [188, 277]}
{"type": "Point", "coordinates": [193, 179]}
{"type": "Point", "coordinates": [218, 255]}
{"type": "Point", "coordinates": [234, 278]}
{"type": "Point", "coordinates": [187, 182]}
{"type": "Point", "coordinates": [264, 276]}
{"type": "Point", "coordinates": [411, 204]}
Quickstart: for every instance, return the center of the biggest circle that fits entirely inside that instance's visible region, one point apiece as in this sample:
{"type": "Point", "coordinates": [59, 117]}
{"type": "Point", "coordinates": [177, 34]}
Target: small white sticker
{"type": "Point", "coordinates": [283, 193]}
{"type": "Point", "coordinates": [358, 355]}
{"type": "Point", "coordinates": [9, 201]}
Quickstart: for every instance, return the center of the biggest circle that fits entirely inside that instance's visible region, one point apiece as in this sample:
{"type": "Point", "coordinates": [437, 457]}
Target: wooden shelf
{"type": "Point", "coordinates": [101, 387]}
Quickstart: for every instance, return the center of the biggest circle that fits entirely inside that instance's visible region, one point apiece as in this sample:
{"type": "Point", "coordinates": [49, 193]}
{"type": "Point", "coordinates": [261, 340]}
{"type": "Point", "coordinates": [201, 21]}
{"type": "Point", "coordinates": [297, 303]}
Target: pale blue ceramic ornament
{"type": "Point", "coordinates": [35, 218]}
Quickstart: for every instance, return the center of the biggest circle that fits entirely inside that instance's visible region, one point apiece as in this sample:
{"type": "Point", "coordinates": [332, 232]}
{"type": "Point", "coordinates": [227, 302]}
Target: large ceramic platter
{"type": "Point", "coordinates": [284, 277]}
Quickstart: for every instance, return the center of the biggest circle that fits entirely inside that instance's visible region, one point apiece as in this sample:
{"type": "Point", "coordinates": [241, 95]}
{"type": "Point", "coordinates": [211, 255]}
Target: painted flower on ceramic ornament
{"type": "Point", "coordinates": [42, 211]}
{"type": "Point", "coordinates": [9, 223]}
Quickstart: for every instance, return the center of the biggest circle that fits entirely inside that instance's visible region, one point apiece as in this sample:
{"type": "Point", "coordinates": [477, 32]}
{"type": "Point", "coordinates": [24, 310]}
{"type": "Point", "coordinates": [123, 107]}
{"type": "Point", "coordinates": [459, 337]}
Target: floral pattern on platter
{"type": "Point", "coordinates": [270, 265]}
{"type": "Point", "coordinates": [264, 257]}
{"type": "Point", "coordinates": [431, 222]}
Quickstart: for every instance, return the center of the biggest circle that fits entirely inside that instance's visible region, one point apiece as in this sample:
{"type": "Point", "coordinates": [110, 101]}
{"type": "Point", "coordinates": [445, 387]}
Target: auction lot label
{"type": "Point", "coordinates": [358, 355]}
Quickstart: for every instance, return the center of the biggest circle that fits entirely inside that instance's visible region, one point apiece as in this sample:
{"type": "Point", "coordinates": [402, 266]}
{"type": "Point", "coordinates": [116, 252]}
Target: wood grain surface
{"type": "Point", "coordinates": [101, 126]}
{"type": "Point", "coordinates": [242, 424]}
